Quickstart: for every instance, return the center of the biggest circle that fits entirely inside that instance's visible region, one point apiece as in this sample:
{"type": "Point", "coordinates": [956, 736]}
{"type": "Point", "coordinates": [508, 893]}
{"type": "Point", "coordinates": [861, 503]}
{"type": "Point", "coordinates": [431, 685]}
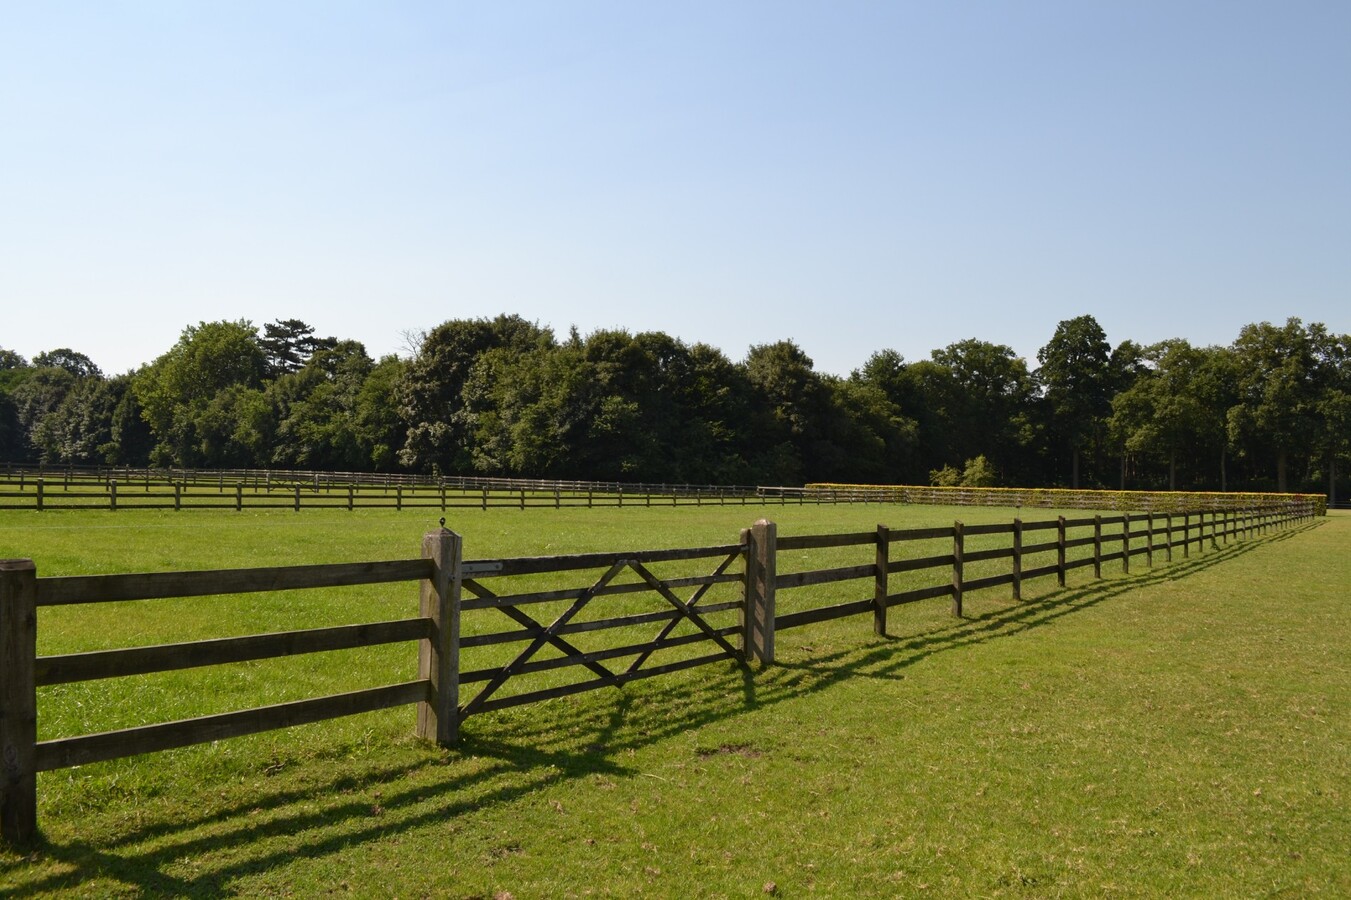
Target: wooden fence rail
{"type": "Point", "coordinates": [725, 609]}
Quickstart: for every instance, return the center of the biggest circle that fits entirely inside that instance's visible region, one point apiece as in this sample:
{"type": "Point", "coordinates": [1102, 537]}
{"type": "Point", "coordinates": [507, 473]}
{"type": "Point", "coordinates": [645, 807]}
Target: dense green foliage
{"type": "Point", "coordinates": [506, 397]}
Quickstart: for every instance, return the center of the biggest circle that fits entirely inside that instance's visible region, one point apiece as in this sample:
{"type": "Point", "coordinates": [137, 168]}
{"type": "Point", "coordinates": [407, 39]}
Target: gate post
{"type": "Point", "coordinates": [18, 701]}
{"type": "Point", "coordinates": [757, 610]}
{"type": "Point", "coordinates": [438, 717]}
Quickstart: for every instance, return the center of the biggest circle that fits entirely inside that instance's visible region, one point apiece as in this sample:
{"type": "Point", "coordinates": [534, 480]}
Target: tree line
{"type": "Point", "coordinates": [506, 397]}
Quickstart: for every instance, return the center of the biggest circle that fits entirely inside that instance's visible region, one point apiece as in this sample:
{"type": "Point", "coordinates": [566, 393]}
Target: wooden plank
{"type": "Point", "coordinates": [91, 748]}
{"type": "Point", "coordinates": [977, 584]}
{"type": "Point", "coordinates": [599, 656]}
{"type": "Point", "coordinates": [823, 614]}
{"type": "Point", "coordinates": [1044, 547]}
{"type": "Point", "coordinates": [823, 576]}
{"type": "Point", "coordinates": [96, 664]}
{"type": "Point", "coordinates": [987, 529]}
{"type": "Point", "coordinates": [1041, 526]}
{"type": "Point", "coordinates": [535, 565]}
{"type": "Point", "coordinates": [1088, 541]}
{"type": "Point", "coordinates": [1081, 563]}
{"type": "Point", "coordinates": [926, 562]}
{"type": "Point", "coordinates": [926, 593]}
{"type": "Point", "coordinates": [159, 585]}
{"type": "Point", "coordinates": [824, 541]}
{"type": "Point", "coordinates": [592, 685]}
{"type": "Point", "coordinates": [983, 555]}
{"type": "Point", "coordinates": [919, 534]}
{"type": "Point", "coordinates": [1041, 571]}
{"type": "Point", "coordinates": [495, 602]}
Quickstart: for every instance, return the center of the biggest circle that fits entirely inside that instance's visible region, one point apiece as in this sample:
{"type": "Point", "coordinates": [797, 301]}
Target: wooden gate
{"type": "Point", "coordinates": [632, 594]}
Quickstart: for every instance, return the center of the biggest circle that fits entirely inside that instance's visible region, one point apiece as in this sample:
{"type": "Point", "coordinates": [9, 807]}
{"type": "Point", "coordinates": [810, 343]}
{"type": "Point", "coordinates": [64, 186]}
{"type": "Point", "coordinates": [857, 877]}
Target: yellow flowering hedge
{"type": "Point", "coordinates": [1063, 498]}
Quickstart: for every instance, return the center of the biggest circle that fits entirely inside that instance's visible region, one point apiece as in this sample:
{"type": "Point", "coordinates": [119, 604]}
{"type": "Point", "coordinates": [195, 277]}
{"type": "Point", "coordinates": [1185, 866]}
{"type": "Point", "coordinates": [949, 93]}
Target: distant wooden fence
{"type": "Point", "coordinates": [121, 488]}
{"type": "Point", "coordinates": [694, 624]}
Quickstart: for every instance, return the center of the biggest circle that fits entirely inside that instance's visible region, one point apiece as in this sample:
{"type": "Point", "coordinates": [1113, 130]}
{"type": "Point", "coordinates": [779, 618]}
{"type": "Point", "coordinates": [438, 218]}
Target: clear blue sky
{"type": "Point", "coordinates": [853, 176]}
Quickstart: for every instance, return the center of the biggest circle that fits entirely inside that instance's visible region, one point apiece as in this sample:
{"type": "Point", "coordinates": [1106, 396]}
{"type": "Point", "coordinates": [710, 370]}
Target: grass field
{"type": "Point", "coordinates": [1183, 731]}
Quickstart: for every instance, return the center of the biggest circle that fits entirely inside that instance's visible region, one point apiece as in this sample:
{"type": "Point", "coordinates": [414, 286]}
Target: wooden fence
{"type": "Point", "coordinates": [277, 490]}
{"type": "Point", "coordinates": [709, 604]}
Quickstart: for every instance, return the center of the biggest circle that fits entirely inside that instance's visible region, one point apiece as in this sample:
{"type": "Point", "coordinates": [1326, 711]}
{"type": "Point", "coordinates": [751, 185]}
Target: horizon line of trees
{"type": "Point", "coordinates": [505, 397]}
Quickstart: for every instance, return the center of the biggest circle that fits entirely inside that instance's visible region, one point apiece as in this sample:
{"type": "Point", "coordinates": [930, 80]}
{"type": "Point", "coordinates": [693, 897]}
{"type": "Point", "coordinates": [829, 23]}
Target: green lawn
{"type": "Point", "coordinates": [1183, 731]}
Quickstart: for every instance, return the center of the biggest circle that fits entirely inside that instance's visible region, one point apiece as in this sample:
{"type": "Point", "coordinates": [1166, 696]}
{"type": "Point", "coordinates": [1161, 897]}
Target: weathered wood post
{"type": "Point", "coordinates": [880, 581]}
{"type": "Point", "coordinates": [1186, 535]}
{"type": "Point", "coordinates": [18, 700]}
{"type": "Point", "coordinates": [958, 552]}
{"type": "Point", "coordinates": [1017, 559]}
{"type": "Point", "coordinates": [112, 496]}
{"type": "Point", "coordinates": [439, 654]}
{"type": "Point", "coordinates": [757, 611]}
{"type": "Point", "coordinates": [1168, 530]}
{"type": "Point", "coordinates": [39, 486]}
{"type": "Point", "coordinates": [239, 497]}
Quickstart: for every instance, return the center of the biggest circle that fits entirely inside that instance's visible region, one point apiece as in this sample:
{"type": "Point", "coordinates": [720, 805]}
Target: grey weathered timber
{"type": "Point", "coordinates": [18, 701]}
{"type": "Point", "coordinates": [757, 616]}
{"type": "Point", "coordinates": [439, 655]}
{"type": "Point", "coordinates": [1017, 559]}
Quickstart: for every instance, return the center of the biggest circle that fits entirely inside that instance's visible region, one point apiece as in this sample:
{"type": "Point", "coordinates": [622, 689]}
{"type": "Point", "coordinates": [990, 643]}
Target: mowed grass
{"type": "Point", "coordinates": [1182, 731]}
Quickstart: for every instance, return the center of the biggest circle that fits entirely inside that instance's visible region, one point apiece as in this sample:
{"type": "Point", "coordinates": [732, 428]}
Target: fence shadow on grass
{"type": "Point", "coordinates": [504, 758]}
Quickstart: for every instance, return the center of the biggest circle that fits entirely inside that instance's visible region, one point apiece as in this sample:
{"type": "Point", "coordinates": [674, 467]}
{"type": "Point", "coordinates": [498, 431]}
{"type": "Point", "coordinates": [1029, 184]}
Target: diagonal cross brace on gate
{"type": "Point", "coordinates": [671, 625]}
{"type": "Point", "coordinates": [542, 636]}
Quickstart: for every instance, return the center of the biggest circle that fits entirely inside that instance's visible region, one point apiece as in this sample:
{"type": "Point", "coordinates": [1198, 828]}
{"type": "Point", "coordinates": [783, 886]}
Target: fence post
{"type": "Point", "coordinates": [39, 486]}
{"type": "Point", "coordinates": [1169, 532]}
{"type": "Point", "coordinates": [1186, 535]}
{"type": "Point", "coordinates": [880, 582]}
{"type": "Point", "coordinates": [1149, 539]}
{"type": "Point", "coordinates": [18, 700]}
{"type": "Point", "coordinates": [757, 611]}
{"type": "Point", "coordinates": [398, 498]}
{"type": "Point", "coordinates": [958, 551]}
{"type": "Point", "coordinates": [239, 498]}
{"type": "Point", "coordinates": [1126, 543]}
{"type": "Point", "coordinates": [1060, 552]}
{"type": "Point", "coordinates": [112, 496]}
{"type": "Point", "coordinates": [1097, 546]}
{"type": "Point", "coordinates": [438, 717]}
{"type": "Point", "coordinates": [178, 496]}
{"type": "Point", "coordinates": [1017, 559]}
